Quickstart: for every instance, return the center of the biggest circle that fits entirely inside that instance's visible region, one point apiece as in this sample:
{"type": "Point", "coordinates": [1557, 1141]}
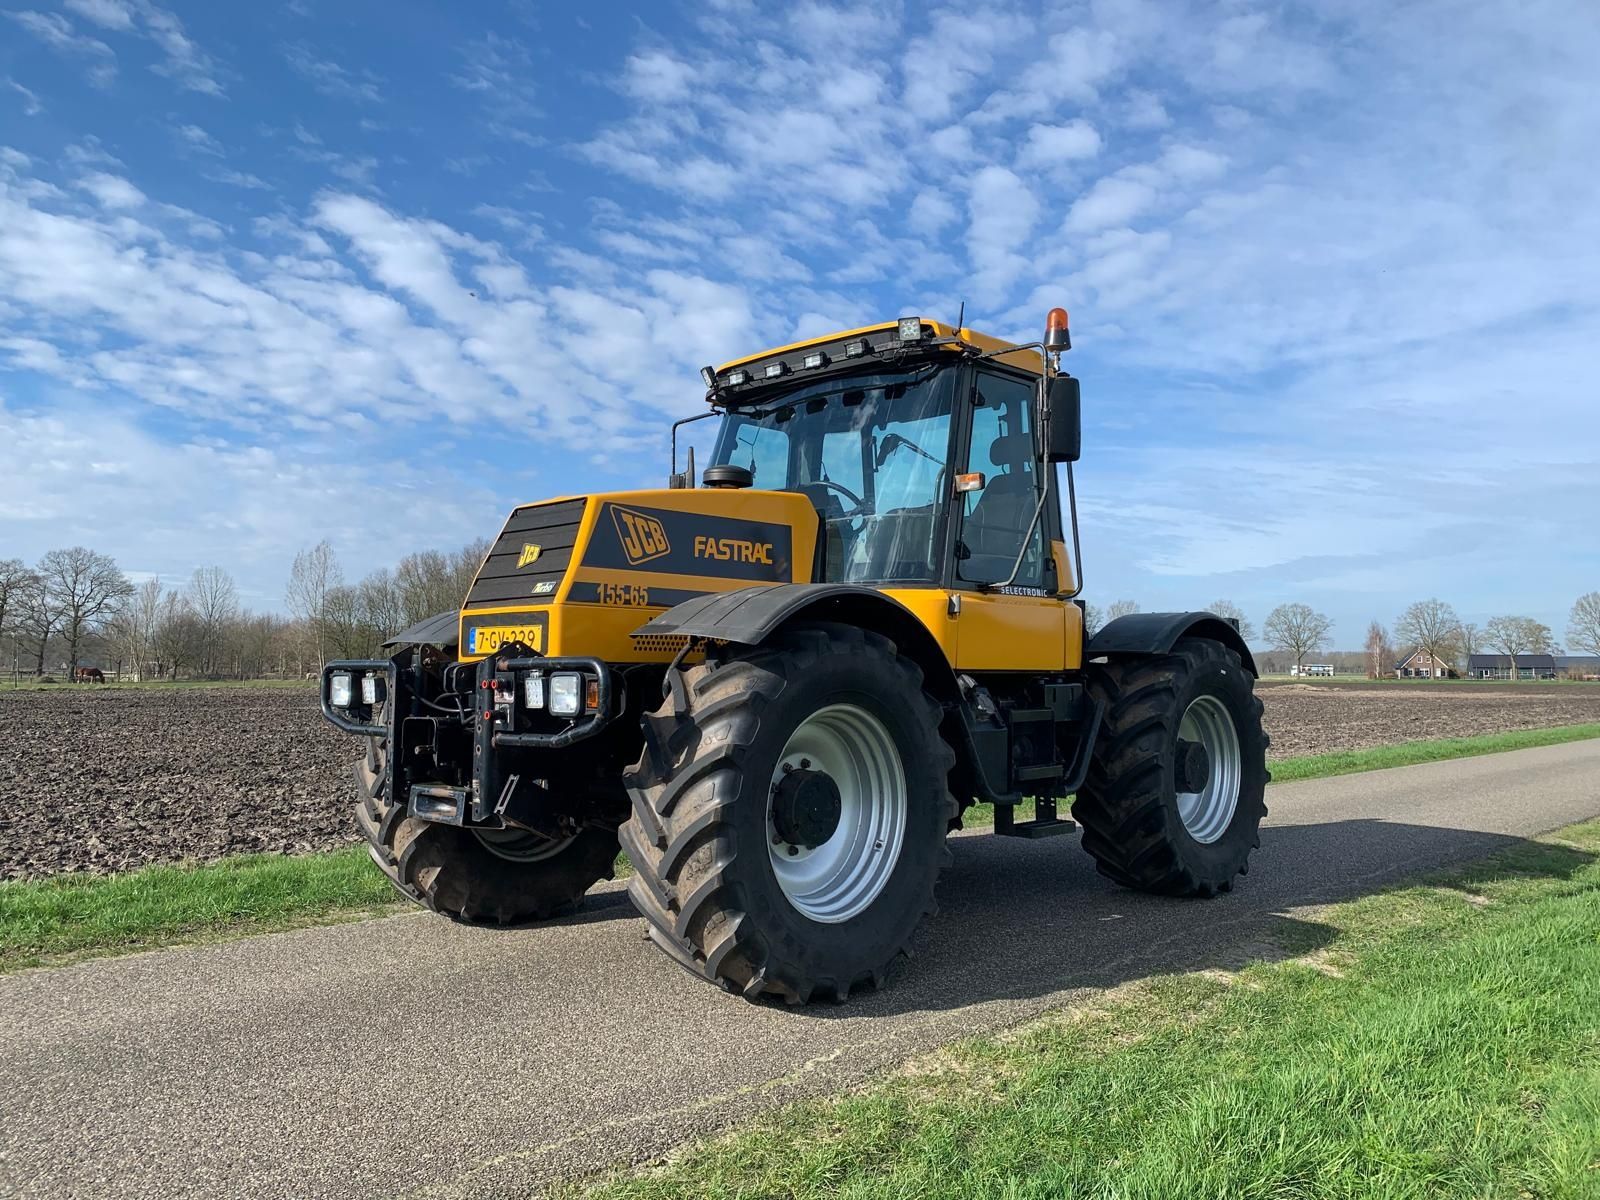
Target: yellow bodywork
{"type": "Point", "coordinates": [598, 604]}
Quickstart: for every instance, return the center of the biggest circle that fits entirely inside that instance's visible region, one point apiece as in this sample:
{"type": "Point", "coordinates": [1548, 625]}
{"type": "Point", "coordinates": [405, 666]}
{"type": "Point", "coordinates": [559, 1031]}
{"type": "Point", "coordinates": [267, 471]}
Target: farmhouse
{"type": "Point", "coordinates": [1578, 666]}
{"type": "Point", "coordinates": [1419, 664]}
{"type": "Point", "coordinates": [1499, 666]}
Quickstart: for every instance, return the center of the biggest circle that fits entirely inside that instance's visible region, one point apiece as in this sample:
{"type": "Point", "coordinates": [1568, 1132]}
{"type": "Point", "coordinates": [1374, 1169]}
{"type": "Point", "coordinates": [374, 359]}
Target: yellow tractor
{"type": "Point", "coordinates": [777, 686]}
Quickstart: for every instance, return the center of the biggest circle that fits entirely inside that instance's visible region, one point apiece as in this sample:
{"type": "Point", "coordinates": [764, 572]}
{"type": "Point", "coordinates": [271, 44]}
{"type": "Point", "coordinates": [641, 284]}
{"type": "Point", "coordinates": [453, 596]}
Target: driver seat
{"type": "Point", "coordinates": [993, 531]}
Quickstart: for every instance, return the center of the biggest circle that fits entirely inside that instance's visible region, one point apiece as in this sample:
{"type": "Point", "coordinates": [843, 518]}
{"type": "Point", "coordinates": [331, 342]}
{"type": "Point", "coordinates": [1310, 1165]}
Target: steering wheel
{"type": "Point", "coordinates": [860, 508]}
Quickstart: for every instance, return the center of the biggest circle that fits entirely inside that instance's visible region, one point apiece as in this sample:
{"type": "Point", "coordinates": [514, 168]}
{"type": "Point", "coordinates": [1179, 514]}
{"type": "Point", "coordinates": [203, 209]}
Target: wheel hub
{"type": "Point", "coordinates": [1191, 768]}
{"type": "Point", "coordinates": [805, 807]}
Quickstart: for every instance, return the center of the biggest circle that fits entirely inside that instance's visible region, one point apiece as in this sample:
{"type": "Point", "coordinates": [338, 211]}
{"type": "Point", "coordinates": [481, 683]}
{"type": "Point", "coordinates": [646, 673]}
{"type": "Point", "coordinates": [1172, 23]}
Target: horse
{"type": "Point", "coordinates": [90, 675]}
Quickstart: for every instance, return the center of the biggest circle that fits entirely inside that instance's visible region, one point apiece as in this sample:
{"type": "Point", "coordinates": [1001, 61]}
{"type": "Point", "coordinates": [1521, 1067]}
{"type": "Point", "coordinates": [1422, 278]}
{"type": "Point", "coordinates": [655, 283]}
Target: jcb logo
{"type": "Point", "coordinates": [642, 537]}
{"type": "Point", "coordinates": [529, 555]}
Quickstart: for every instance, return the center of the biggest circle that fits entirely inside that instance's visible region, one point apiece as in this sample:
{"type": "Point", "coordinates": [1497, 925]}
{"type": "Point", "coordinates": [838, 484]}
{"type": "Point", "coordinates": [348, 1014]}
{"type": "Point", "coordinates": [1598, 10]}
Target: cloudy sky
{"type": "Point", "coordinates": [378, 271]}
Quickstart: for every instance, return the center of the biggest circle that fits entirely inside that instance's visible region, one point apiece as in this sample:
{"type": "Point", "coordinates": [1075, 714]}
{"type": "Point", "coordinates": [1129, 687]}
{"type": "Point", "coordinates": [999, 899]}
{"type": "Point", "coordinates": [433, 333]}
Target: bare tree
{"type": "Point", "coordinates": [1092, 620]}
{"type": "Point", "coordinates": [1512, 635]}
{"type": "Point", "coordinates": [381, 607]}
{"type": "Point", "coordinates": [1296, 629]}
{"type": "Point", "coordinates": [1470, 639]}
{"type": "Point", "coordinates": [315, 573]}
{"type": "Point", "coordinates": [17, 587]}
{"type": "Point", "coordinates": [1583, 624]}
{"type": "Point", "coordinates": [1231, 611]}
{"type": "Point", "coordinates": [177, 639]}
{"type": "Point", "coordinates": [1432, 627]}
{"type": "Point", "coordinates": [38, 619]}
{"type": "Point", "coordinates": [430, 582]}
{"type": "Point", "coordinates": [1121, 608]}
{"type": "Point", "coordinates": [1379, 653]}
{"type": "Point", "coordinates": [86, 588]}
{"type": "Point", "coordinates": [214, 601]}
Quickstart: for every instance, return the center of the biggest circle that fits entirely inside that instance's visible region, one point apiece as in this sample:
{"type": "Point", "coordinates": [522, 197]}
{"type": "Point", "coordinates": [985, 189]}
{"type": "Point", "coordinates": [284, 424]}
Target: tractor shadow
{"type": "Point", "coordinates": [1020, 920]}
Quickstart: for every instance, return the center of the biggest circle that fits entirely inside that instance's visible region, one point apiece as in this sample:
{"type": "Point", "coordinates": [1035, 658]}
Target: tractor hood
{"type": "Point", "coordinates": [577, 575]}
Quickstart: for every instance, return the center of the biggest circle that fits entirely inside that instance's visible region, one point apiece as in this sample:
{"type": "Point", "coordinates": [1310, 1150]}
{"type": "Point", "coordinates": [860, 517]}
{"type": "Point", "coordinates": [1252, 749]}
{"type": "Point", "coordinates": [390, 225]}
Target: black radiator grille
{"type": "Point", "coordinates": [551, 527]}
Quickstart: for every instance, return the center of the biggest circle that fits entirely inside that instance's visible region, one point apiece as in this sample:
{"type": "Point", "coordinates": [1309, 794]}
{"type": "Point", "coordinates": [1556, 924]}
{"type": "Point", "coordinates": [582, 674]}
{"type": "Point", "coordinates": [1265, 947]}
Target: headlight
{"type": "Point", "coordinates": [533, 691]}
{"type": "Point", "coordinates": [566, 694]}
{"type": "Point", "coordinates": [339, 693]}
{"type": "Point", "coordinates": [371, 689]}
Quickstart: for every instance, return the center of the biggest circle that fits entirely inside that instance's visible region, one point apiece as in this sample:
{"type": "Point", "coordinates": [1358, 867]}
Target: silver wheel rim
{"type": "Point", "coordinates": [1206, 814]}
{"type": "Point", "coordinates": [840, 878]}
{"type": "Point", "coordinates": [521, 845]}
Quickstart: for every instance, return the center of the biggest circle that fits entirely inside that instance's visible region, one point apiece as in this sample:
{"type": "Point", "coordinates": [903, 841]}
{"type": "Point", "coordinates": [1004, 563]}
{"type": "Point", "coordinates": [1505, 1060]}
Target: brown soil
{"type": "Point", "coordinates": [103, 780]}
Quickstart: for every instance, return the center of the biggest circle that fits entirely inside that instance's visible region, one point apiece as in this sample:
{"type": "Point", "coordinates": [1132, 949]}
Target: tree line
{"type": "Point", "coordinates": [1299, 631]}
{"type": "Point", "coordinates": [76, 606]}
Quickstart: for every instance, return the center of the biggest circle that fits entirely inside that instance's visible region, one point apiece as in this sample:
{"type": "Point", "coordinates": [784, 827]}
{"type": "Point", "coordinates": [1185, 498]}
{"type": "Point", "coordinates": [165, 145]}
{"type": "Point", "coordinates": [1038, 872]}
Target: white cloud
{"type": "Point", "coordinates": [195, 138]}
{"type": "Point", "coordinates": [330, 78]}
{"type": "Point", "coordinates": [1114, 200]}
{"type": "Point", "coordinates": [32, 106]}
{"type": "Point", "coordinates": [1052, 145]}
{"type": "Point", "coordinates": [657, 77]}
{"type": "Point", "coordinates": [1003, 213]}
{"type": "Point", "coordinates": [110, 14]}
{"type": "Point", "coordinates": [931, 212]}
{"type": "Point", "coordinates": [112, 191]}
{"type": "Point", "coordinates": [58, 33]}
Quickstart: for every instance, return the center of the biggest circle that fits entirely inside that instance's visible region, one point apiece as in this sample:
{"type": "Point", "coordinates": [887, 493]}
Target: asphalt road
{"type": "Point", "coordinates": [409, 1056]}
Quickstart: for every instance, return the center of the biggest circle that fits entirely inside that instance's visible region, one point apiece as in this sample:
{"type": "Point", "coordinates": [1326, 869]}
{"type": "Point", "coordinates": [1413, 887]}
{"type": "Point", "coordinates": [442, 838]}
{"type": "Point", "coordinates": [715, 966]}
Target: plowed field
{"type": "Point", "coordinates": [110, 779]}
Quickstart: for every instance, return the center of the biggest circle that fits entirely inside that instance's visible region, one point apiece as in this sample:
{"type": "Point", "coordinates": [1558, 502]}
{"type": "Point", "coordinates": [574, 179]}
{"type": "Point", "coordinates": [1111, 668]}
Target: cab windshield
{"type": "Point", "coordinates": [871, 453]}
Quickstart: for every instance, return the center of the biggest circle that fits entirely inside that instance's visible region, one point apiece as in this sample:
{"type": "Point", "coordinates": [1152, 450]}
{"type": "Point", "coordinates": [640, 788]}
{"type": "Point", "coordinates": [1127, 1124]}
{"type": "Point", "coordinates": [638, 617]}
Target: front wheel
{"type": "Point", "coordinates": [789, 814]}
{"type": "Point", "coordinates": [1176, 788]}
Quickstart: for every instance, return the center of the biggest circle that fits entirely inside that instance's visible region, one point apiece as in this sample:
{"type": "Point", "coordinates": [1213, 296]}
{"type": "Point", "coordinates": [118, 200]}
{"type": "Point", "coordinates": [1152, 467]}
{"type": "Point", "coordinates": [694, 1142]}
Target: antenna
{"type": "Point", "coordinates": [960, 317]}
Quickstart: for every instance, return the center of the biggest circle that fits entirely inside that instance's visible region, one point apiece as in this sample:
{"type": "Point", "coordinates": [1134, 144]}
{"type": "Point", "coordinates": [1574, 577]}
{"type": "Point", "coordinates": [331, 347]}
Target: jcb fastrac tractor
{"type": "Point", "coordinates": [777, 687]}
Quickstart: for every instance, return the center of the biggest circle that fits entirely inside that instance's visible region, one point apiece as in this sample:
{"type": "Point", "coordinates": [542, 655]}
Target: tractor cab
{"type": "Point", "coordinates": [918, 445]}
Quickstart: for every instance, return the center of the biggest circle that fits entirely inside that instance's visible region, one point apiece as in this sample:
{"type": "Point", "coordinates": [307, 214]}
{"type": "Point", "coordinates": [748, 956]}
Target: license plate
{"type": "Point", "coordinates": [489, 638]}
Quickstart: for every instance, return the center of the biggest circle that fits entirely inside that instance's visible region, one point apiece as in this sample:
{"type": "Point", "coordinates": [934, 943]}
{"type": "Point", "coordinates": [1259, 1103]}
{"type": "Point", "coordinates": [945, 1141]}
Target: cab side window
{"type": "Point", "coordinates": [995, 519]}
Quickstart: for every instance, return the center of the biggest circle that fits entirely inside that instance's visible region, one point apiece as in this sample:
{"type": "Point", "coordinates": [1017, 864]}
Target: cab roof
{"type": "Point", "coordinates": [936, 334]}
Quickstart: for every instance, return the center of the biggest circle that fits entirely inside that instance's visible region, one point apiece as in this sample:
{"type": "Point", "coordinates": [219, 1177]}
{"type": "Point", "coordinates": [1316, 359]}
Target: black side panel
{"type": "Point", "coordinates": [530, 556]}
{"type": "Point", "coordinates": [1156, 633]}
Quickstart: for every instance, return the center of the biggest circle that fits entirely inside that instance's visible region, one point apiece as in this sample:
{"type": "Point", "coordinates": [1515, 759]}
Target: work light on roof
{"type": "Point", "coordinates": [709, 375]}
{"type": "Point", "coordinates": [910, 329]}
{"type": "Point", "coordinates": [738, 378]}
{"type": "Point", "coordinates": [775, 369]}
{"type": "Point", "coordinates": [814, 360]}
{"type": "Point", "coordinates": [855, 349]}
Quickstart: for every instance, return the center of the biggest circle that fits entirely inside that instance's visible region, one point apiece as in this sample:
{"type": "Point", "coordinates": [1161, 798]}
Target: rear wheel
{"type": "Point", "coordinates": [496, 877]}
{"type": "Point", "coordinates": [1176, 787]}
{"type": "Point", "coordinates": [789, 815]}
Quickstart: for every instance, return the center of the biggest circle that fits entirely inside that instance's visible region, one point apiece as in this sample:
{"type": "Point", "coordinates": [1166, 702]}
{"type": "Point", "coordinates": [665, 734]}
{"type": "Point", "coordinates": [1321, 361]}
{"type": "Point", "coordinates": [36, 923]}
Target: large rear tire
{"type": "Point", "coordinates": [789, 814]}
{"type": "Point", "coordinates": [1158, 814]}
{"type": "Point", "coordinates": [489, 878]}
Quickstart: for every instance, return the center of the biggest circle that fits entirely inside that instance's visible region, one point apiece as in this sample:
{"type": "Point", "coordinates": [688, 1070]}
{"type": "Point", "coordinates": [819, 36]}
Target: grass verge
{"type": "Point", "coordinates": [74, 916]}
{"type": "Point", "coordinates": [54, 920]}
{"type": "Point", "coordinates": [1438, 1040]}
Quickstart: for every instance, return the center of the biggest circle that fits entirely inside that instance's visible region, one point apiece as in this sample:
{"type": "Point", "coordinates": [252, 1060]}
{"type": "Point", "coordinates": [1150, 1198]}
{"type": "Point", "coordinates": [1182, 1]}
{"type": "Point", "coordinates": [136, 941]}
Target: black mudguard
{"type": "Point", "coordinates": [1157, 633]}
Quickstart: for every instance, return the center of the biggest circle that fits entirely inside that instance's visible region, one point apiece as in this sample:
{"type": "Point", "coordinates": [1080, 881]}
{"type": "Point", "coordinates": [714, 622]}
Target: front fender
{"type": "Point", "coordinates": [750, 615]}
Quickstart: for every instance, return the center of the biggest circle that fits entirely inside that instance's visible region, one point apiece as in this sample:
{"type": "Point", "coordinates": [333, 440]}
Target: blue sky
{"type": "Point", "coordinates": [377, 272]}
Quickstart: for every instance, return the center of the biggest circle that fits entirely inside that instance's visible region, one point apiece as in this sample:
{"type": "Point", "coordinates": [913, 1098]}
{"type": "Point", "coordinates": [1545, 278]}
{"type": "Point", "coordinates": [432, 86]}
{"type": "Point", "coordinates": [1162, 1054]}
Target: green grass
{"type": "Point", "coordinates": [1409, 754]}
{"type": "Point", "coordinates": [1440, 1040]}
{"type": "Point", "coordinates": [66, 917]}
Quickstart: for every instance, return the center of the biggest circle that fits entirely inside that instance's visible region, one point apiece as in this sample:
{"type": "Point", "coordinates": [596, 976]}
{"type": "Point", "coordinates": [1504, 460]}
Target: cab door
{"type": "Point", "coordinates": [1024, 626]}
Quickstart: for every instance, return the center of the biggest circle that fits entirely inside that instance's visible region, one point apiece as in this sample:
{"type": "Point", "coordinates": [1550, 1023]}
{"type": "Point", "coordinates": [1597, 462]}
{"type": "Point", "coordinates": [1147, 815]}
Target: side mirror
{"type": "Point", "coordinates": [1066, 420]}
